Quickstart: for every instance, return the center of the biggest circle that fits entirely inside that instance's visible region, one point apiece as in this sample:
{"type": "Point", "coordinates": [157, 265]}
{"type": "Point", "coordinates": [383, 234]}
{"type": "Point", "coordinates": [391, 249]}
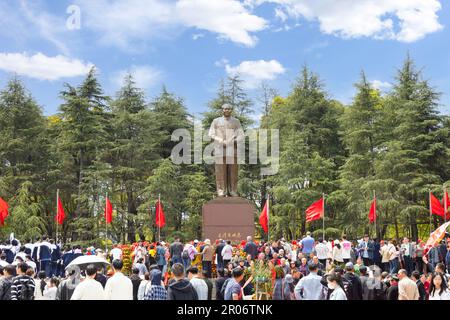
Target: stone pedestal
{"type": "Point", "coordinates": [228, 218]}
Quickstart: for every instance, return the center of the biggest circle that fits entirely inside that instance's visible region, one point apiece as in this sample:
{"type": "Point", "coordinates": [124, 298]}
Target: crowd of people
{"type": "Point", "coordinates": [303, 269]}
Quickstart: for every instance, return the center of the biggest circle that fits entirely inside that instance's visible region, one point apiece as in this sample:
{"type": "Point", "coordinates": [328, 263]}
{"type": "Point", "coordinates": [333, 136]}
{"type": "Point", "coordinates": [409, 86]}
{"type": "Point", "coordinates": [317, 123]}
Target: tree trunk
{"type": "Point", "coordinates": [396, 228]}
{"type": "Point", "coordinates": [303, 224]}
{"type": "Point", "coordinates": [414, 229]}
{"type": "Point", "coordinates": [131, 209]}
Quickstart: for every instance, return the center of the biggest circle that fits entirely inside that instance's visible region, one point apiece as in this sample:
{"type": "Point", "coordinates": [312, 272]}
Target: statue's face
{"type": "Point", "coordinates": [227, 110]}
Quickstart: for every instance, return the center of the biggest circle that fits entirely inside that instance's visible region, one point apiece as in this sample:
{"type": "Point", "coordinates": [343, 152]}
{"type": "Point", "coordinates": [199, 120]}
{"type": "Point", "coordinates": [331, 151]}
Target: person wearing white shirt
{"type": "Point", "coordinates": [89, 288]}
{"type": "Point", "coordinates": [346, 249]}
{"type": "Point", "coordinates": [199, 284]}
{"type": "Point", "coordinates": [322, 251]}
{"type": "Point", "coordinates": [143, 286]}
{"type": "Point", "coordinates": [337, 253]}
{"type": "Point", "coordinates": [438, 288]}
{"type": "Point", "coordinates": [116, 253]}
{"type": "Point", "coordinates": [30, 262]}
{"type": "Point", "coordinates": [50, 289]}
{"type": "Point", "coordinates": [338, 293]}
{"type": "Point", "coordinates": [118, 287]}
{"type": "Point", "coordinates": [227, 253]}
{"type": "Point", "coordinates": [393, 257]}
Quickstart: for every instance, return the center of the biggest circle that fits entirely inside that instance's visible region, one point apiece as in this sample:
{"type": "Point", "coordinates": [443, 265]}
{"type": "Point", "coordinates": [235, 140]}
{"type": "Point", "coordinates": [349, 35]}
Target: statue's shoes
{"type": "Point", "coordinates": [234, 194]}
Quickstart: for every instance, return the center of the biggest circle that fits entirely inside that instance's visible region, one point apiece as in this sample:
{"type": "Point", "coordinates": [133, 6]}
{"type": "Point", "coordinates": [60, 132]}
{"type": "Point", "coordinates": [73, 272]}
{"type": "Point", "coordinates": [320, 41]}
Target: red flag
{"type": "Point", "coordinates": [160, 218]}
{"type": "Point", "coordinates": [436, 207]}
{"type": "Point", "coordinates": [373, 211]}
{"type": "Point", "coordinates": [60, 215]}
{"type": "Point", "coordinates": [435, 237]}
{"type": "Point", "coordinates": [108, 211]}
{"type": "Point", "coordinates": [315, 211]}
{"type": "Point", "coordinates": [4, 206]}
{"type": "Point", "coordinates": [264, 218]}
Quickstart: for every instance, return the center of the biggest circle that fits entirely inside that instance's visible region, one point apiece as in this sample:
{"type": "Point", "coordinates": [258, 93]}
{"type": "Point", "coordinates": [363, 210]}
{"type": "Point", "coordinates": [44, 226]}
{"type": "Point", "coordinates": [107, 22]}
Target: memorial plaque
{"type": "Point", "coordinates": [228, 218]}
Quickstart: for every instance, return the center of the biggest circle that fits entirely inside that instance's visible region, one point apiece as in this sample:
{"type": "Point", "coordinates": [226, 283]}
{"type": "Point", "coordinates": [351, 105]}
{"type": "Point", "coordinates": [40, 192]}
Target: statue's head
{"type": "Point", "coordinates": [227, 109]}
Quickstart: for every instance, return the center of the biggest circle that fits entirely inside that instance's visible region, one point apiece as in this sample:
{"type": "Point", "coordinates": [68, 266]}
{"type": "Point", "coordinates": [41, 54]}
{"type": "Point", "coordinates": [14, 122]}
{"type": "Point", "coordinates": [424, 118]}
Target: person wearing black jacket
{"type": "Point", "coordinates": [6, 282]}
{"type": "Point", "coordinates": [219, 254]}
{"type": "Point", "coordinates": [422, 292]}
{"type": "Point", "coordinates": [251, 248]}
{"type": "Point", "coordinates": [55, 257]}
{"type": "Point", "coordinates": [223, 276]}
{"type": "Point", "coordinates": [175, 251]}
{"type": "Point", "coordinates": [181, 288]}
{"type": "Point", "coordinates": [355, 293]}
{"type": "Point", "coordinates": [136, 281]}
{"type": "Point", "coordinates": [392, 291]}
{"type": "Point", "coordinates": [34, 254]}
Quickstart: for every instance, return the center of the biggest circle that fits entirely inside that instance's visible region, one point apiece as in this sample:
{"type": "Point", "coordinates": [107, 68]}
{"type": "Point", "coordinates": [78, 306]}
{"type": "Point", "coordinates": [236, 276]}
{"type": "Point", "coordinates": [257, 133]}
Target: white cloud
{"type": "Point", "coordinates": [144, 76]}
{"type": "Point", "coordinates": [42, 67]}
{"type": "Point", "coordinates": [368, 18]}
{"type": "Point", "coordinates": [229, 18]}
{"type": "Point", "coordinates": [255, 72]}
{"type": "Point", "coordinates": [123, 22]}
{"type": "Point", "coordinates": [381, 85]}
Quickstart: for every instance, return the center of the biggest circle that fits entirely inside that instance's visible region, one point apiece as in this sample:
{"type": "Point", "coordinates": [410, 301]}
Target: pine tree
{"type": "Point", "coordinates": [21, 127]}
{"type": "Point", "coordinates": [132, 153]}
{"type": "Point", "coordinates": [414, 156]}
{"type": "Point", "coordinates": [83, 136]}
{"type": "Point", "coordinates": [360, 133]}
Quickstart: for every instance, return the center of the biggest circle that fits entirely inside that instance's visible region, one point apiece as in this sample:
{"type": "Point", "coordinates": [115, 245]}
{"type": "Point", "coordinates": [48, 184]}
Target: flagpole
{"type": "Point", "coordinates": [375, 217]}
{"type": "Point", "coordinates": [445, 205]}
{"type": "Point", "coordinates": [106, 225]}
{"type": "Point", "coordinates": [323, 217]}
{"type": "Point", "coordinates": [268, 221]}
{"type": "Point", "coordinates": [429, 198]}
{"type": "Point", "coordinates": [159, 218]}
{"type": "Point", "coordinates": [57, 215]}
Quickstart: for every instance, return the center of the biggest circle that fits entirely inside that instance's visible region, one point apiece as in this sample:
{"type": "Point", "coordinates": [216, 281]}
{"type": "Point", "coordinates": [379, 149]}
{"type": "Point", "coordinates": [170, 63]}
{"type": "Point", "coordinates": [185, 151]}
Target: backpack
{"type": "Point", "coordinates": [348, 288]}
{"type": "Point", "coordinates": [224, 287]}
{"type": "Point", "coordinates": [185, 254]}
{"type": "Point", "coordinates": [26, 292]}
{"type": "Point", "coordinates": [6, 290]}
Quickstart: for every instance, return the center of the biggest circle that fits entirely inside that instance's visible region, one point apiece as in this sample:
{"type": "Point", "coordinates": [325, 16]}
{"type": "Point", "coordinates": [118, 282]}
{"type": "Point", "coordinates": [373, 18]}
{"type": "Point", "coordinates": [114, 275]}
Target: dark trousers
{"type": "Point", "coordinates": [408, 264]}
{"type": "Point", "coordinates": [206, 265]}
{"type": "Point", "coordinates": [46, 266]}
{"type": "Point", "coordinates": [367, 262]}
{"type": "Point", "coordinates": [175, 259]}
{"type": "Point", "coordinates": [420, 265]}
{"type": "Point", "coordinates": [225, 263]}
{"type": "Point", "coordinates": [219, 264]}
{"type": "Point", "coordinates": [54, 269]}
{"type": "Point", "coordinates": [385, 266]}
{"type": "Point", "coordinates": [186, 263]}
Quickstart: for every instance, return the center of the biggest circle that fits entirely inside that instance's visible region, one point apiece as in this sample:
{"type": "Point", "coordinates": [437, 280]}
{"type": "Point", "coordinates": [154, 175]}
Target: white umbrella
{"type": "Point", "coordinates": [84, 261]}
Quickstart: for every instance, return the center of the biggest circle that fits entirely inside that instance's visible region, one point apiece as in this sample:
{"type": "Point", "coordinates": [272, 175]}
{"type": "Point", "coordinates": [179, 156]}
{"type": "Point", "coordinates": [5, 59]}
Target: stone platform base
{"type": "Point", "coordinates": [228, 218]}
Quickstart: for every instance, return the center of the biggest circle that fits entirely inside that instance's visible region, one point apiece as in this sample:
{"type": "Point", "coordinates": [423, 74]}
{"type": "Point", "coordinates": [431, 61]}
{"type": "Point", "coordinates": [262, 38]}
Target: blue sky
{"type": "Point", "coordinates": [189, 45]}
